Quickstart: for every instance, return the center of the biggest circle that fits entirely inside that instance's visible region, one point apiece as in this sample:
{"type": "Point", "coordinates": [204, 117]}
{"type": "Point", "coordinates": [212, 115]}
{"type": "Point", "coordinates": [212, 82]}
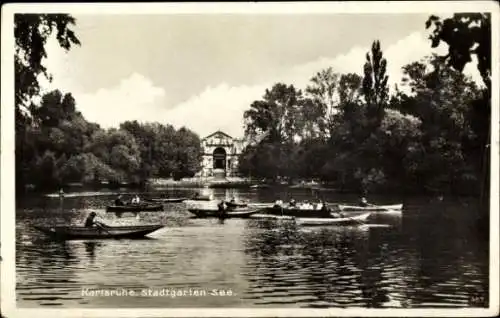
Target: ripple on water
{"type": "Point", "coordinates": [274, 267]}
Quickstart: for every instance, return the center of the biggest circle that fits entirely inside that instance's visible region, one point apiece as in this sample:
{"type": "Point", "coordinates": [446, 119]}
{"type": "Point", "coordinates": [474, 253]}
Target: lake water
{"type": "Point", "coordinates": [430, 256]}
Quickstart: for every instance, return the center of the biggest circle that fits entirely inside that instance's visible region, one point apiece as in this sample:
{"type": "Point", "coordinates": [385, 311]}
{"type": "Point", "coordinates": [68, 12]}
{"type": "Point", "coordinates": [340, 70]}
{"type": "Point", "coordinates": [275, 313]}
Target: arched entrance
{"type": "Point", "coordinates": [219, 158]}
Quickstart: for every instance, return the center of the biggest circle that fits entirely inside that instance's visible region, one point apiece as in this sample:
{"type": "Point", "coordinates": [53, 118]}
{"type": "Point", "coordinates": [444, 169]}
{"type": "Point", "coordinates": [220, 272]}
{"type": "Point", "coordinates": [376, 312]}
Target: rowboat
{"type": "Point", "coordinates": [203, 213]}
{"type": "Point", "coordinates": [202, 198]}
{"type": "Point", "coordinates": [134, 208]}
{"type": "Point", "coordinates": [297, 212]}
{"type": "Point", "coordinates": [236, 204]}
{"type": "Point", "coordinates": [101, 232]}
{"type": "Point", "coordinates": [259, 186]}
{"type": "Point", "coordinates": [372, 208]}
{"type": "Point", "coordinates": [167, 200]}
{"type": "Point", "coordinates": [354, 220]}
{"type": "Point", "coordinates": [78, 194]}
{"type": "Point", "coordinates": [261, 216]}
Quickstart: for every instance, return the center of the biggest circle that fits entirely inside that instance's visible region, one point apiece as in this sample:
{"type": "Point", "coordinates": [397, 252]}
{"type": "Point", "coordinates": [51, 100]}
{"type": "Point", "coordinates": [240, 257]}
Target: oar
{"type": "Point", "coordinates": [357, 221]}
{"type": "Point", "coordinates": [101, 226]}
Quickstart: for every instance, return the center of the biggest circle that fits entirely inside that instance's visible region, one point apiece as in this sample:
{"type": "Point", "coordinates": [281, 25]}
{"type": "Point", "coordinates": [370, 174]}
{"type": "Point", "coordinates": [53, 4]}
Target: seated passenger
{"type": "Point", "coordinates": [278, 203]}
{"type": "Point", "coordinates": [323, 206]}
{"type": "Point", "coordinates": [363, 202]}
{"type": "Point", "coordinates": [119, 202]}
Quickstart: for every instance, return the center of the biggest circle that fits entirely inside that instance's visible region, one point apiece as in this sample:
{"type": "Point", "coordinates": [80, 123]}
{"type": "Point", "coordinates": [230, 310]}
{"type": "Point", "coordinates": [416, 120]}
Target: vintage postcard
{"type": "Point", "coordinates": [250, 159]}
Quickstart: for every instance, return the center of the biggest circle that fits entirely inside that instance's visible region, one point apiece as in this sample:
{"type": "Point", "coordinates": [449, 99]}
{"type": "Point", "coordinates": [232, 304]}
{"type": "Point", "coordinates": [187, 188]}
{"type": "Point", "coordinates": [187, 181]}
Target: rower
{"type": "Point", "coordinates": [118, 201]}
{"type": "Point", "coordinates": [90, 221]}
{"type": "Point", "coordinates": [323, 206]}
{"type": "Point", "coordinates": [292, 203]}
{"type": "Point", "coordinates": [278, 204]}
{"type": "Point", "coordinates": [222, 209]}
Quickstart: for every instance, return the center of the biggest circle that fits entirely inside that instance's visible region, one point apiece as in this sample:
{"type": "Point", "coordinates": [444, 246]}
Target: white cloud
{"type": "Point", "coordinates": [134, 98]}
{"type": "Point", "coordinates": [216, 108]}
{"type": "Point", "coordinates": [222, 106]}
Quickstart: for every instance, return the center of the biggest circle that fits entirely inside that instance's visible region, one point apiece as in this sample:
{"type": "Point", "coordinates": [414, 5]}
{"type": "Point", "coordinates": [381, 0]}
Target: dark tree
{"type": "Point", "coordinates": [375, 90]}
{"type": "Point", "coordinates": [466, 34]}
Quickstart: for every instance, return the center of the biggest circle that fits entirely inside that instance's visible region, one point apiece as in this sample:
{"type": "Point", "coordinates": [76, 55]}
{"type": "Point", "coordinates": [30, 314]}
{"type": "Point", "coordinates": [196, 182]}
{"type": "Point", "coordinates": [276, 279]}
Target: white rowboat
{"type": "Point", "coordinates": [354, 220]}
{"type": "Point", "coordinates": [372, 208]}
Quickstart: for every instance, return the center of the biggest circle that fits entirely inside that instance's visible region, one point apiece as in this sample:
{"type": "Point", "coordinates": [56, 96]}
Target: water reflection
{"type": "Point", "coordinates": [428, 256]}
{"type": "Point", "coordinates": [90, 249]}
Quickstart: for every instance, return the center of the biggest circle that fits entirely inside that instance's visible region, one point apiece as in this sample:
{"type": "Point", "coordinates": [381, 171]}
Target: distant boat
{"type": "Point", "coordinates": [105, 232]}
{"type": "Point", "coordinates": [201, 198]}
{"type": "Point", "coordinates": [379, 208]}
{"type": "Point", "coordinates": [259, 186]}
{"type": "Point", "coordinates": [79, 194]}
{"type": "Point", "coordinates": [271, 217]}
{"type": "Point", "coordinates": [306, 185]}
{"type": "Point", "coordinates": [143, 207]}
{"type": "Point", "coordinates": [297, 212]}
{"type": "Point", "coordinates": [167, 200]}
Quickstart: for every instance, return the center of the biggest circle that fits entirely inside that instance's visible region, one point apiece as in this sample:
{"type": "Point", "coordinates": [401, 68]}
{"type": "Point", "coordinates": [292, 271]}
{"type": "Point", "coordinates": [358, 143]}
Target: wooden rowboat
{"type": "Point", "coordinates": [373, 208]}
{"type": "Point", "coordinates": [134, 208]}
{"type": "Point", "coordinates": [167, 200]}
{"type": "Point", "coordinates": [201, 198]}
{"type": "Point", "coordinates": [297, 212]}
{"type": "Point", "coordinates": [101, 232]}
{"type": "Point", "coordinates": [203, 213]}
{"type": "Point", "coordinates": [354, 220]}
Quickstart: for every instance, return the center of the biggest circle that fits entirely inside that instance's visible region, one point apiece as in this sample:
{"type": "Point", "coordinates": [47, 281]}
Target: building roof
{"type": "Point", "coordinates": [218, 132]}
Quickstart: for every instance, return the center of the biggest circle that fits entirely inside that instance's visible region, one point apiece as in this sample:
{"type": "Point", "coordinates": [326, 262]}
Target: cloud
{"type": "Point", "coordinates": [216, 108]}
{"type": "Point", "coordinates": [221, 106]}
{"type": "Point", "coordinates": [134, 98]}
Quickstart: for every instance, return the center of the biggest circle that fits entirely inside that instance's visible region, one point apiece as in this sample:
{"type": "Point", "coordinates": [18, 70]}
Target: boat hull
{"type": "Point", "coordinates": [204, 213]}
{"type": "Point", "coordinates": [134, 208]}
{"type": "Point", "coordinates": [260, 216]}
{"type": "Point", "coordinates": [169, 200]}
{"type": "Point", "coordinates": [298, 213]}
{"type": "Point", "coordinates": [378, 208]}
{"type": "Point", "coordinates": [341, 221]}
{"type": "Point", "coordinates": [111, 232]}
{"type": "Point", "coordinates": [236, 205]}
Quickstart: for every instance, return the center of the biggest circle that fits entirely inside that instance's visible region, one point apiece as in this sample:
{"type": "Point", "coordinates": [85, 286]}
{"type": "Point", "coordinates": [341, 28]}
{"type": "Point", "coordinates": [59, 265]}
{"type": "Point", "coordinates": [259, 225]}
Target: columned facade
{"type": "Point", "coordinates": [220, 155]}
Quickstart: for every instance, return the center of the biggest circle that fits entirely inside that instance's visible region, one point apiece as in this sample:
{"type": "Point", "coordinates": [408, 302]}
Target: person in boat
{"type": "Point", "coordinates": [90, 221]}
{"type": "Point", "coordinates": [221, 207]}
{"type": "Point", "coordinates": [61, 193]}
{"type": "Point", "coordinates": [363, 202]}
{"type": "Point", "coordinates": [292, 203]}
{"type": "Point", "coordinates": [306, 205]}
{"type": "Point", "coordinates": [136, 200]}
{"type": "Point", "coordinates": [119, 201]}
{"type": "Point", "coordinates": [323, 208]}
{"type": "Point", "coordinates": [278, 204]}
{"type": "Point", "coordinates": [233, 200]}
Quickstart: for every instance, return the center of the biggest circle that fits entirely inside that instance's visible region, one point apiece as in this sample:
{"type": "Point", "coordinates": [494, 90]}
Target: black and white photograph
{"type": "Point", "coordinates": [250, 159]}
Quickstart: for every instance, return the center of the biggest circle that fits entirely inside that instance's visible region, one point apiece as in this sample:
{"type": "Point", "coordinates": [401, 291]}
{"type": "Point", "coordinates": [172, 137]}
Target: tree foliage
{"type": "Point", "coordinates": [424, 138]}
{"type": "Point", "coordinates": [31, 32]}
{"type": "Point", "coordinates": [466, 34]}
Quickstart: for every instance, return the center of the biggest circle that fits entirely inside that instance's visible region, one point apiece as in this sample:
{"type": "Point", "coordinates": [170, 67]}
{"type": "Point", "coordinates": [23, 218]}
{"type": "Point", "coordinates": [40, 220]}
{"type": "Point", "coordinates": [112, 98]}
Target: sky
{"type": "Point", "coordinates": [202, 71]}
